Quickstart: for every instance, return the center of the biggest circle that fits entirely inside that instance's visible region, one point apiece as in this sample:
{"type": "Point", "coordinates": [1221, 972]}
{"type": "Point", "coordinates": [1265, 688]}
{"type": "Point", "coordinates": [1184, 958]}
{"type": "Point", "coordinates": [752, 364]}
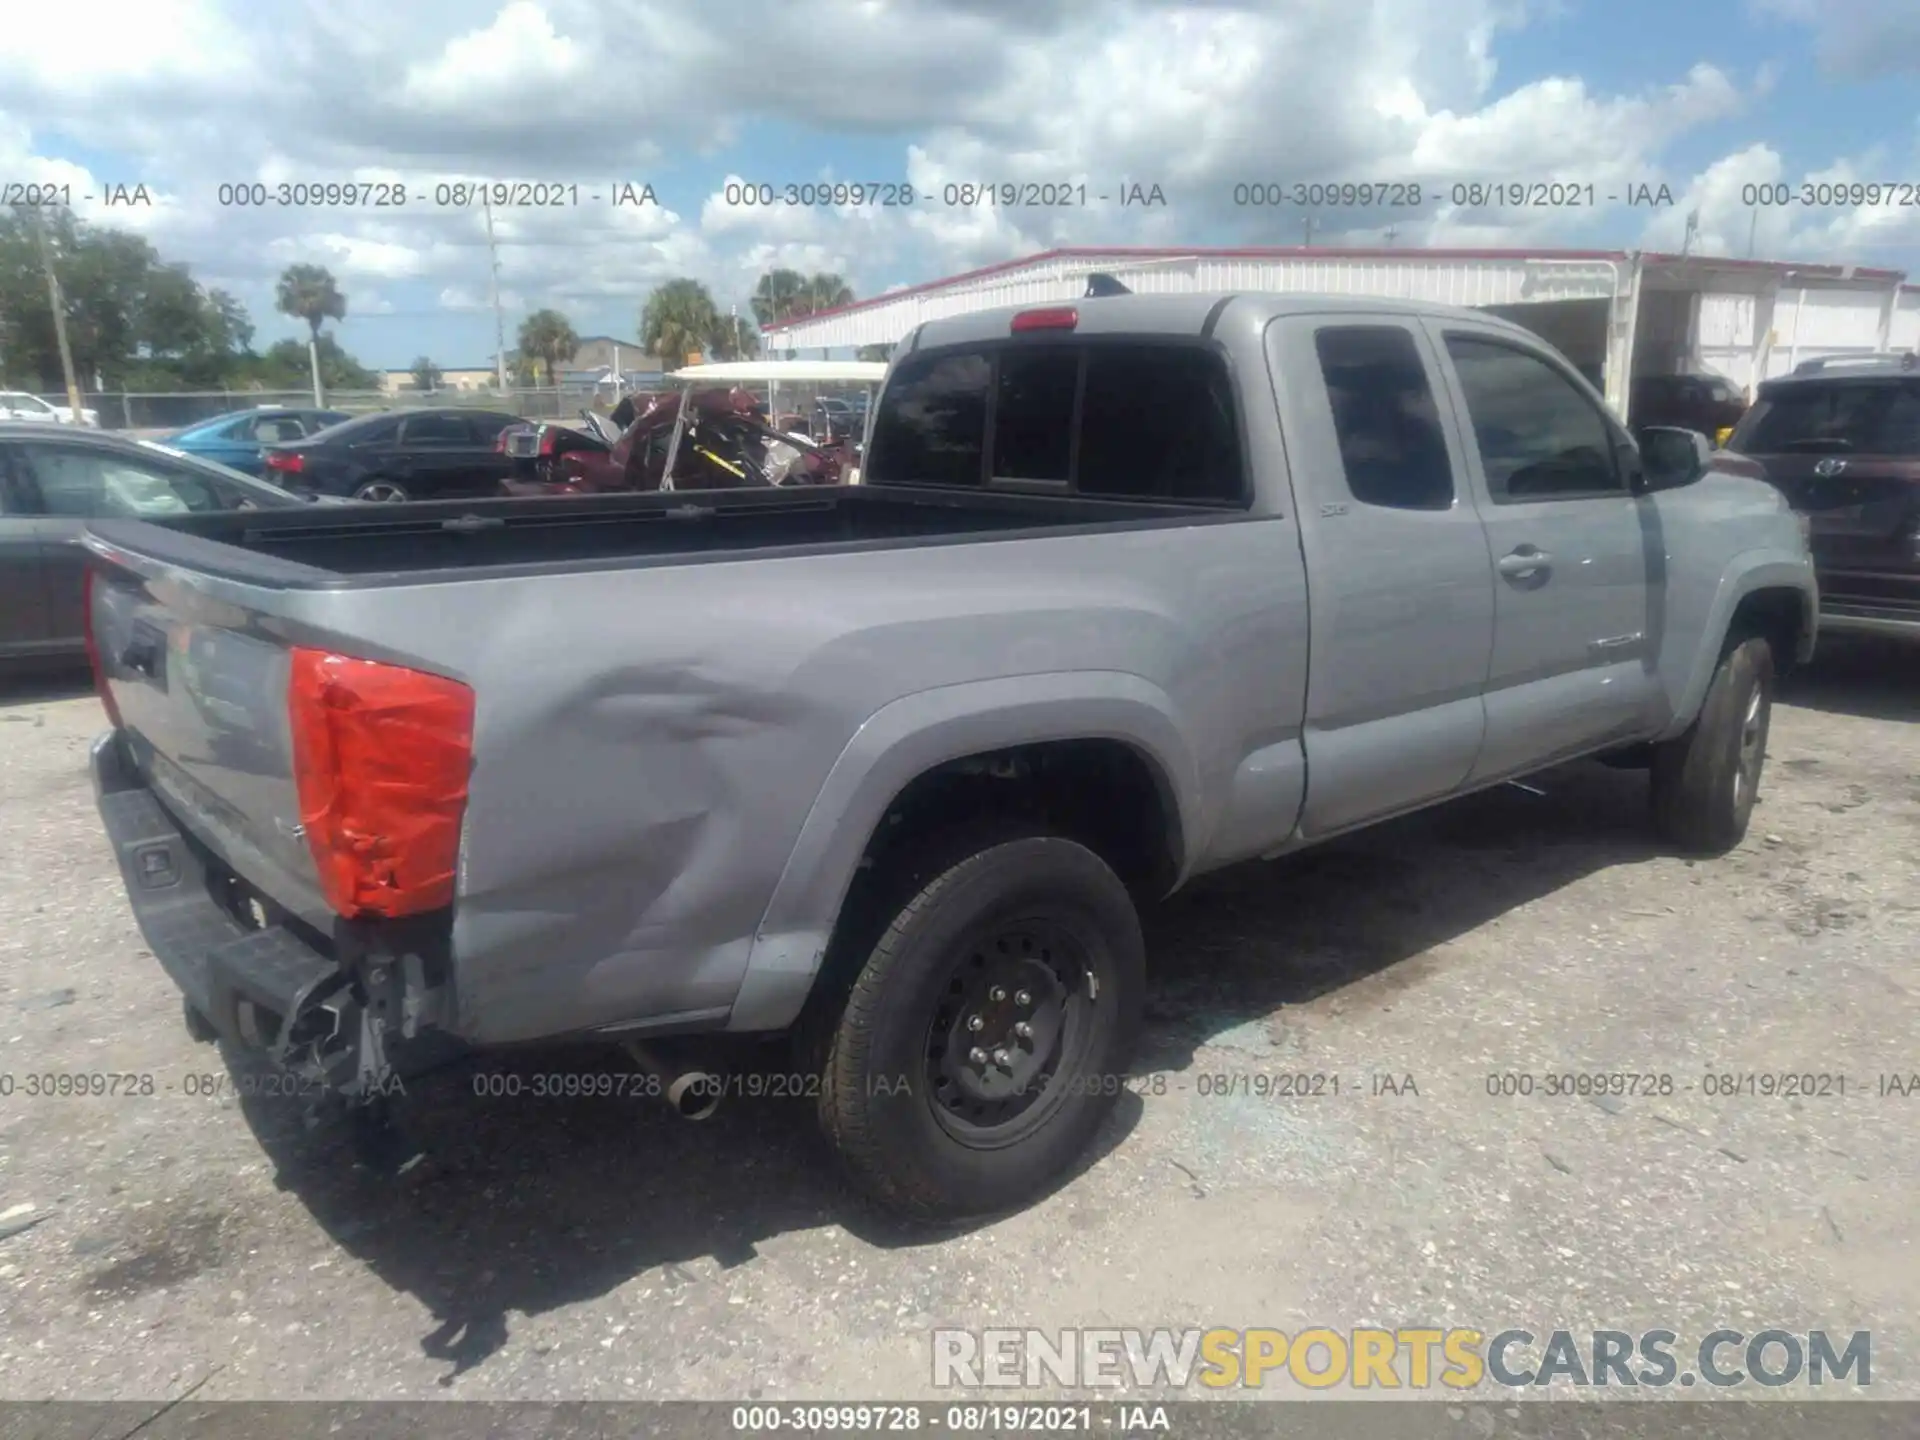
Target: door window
{"type": "Point", "coordinates": [1539, 437]}
{"type": "Point", "coordinates": [1385, 418]}
{"type": "Point", "coordinates": [273, 429]}
{"type": "Point", "coordinates": [88, 482]}
{"type": "Point", "coordinates": [435, 430]}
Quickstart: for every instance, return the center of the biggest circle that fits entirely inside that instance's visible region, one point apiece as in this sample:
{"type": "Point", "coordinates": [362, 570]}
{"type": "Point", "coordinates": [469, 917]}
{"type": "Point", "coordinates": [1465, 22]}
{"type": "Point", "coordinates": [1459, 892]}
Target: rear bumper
{"type": "Point", "coordinates": [269, 987]}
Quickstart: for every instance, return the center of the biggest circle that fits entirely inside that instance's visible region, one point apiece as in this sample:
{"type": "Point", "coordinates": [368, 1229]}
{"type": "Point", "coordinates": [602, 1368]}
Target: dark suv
{"type": "Point", "coordinates": [1841, 439]}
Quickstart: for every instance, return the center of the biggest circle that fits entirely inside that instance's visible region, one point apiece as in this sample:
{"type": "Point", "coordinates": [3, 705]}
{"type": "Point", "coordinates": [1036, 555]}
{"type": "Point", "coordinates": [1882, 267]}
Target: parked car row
{"type": "Point", "coordinates": [53, 481]}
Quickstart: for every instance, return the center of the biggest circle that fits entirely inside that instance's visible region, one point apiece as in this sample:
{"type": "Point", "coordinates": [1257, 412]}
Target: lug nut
{"type": "Point", "coordinates": [1000, 1057]}
{"type": "Point", "coordinates": [1023, 999]}
{"type": "Point", "coordinates": [977, 1055]}
{"type": "Point", "coordinates": [1023, 1030]}
{"type": "Point", "coordinates": [976, 1024]}
{"type": "Point", "coordinates": [997, 993]}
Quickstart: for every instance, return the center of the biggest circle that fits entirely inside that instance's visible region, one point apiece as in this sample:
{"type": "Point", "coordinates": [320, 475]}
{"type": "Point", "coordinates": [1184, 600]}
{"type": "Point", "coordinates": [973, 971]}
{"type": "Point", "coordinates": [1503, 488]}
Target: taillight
{"type": "Point", "coordinates": [1060, 317]}
{"type": "Point", "coordinates": [287, 462]}
{"type": "Point", "coordinates": [93, 651]}
{"type": "Point", "coordinates": [549, 439]}
{"type": "Point", "coordinates": [381, 756]}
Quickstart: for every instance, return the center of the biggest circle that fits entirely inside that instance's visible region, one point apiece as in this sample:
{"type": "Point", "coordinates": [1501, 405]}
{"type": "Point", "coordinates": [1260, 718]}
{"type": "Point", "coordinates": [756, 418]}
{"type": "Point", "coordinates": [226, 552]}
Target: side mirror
{"type": "Point", "coordinates": [1671, 457]}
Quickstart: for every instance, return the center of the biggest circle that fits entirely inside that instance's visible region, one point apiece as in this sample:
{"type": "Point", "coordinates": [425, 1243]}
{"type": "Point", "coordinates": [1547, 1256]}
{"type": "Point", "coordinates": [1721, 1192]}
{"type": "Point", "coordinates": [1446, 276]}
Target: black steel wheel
{"type": "Point", "coordinates": [987, 1034]}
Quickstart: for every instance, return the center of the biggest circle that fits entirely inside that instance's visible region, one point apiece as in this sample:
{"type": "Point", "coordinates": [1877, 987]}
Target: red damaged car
{"type": "Point", "coordinates": [717, 433]}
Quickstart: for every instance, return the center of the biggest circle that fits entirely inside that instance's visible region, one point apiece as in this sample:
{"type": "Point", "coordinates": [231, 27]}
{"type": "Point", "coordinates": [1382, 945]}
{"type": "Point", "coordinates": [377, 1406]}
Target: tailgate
{"type": "Point", "coordinates": [1860, 497]}
{"type": "Point", "coordinates": [200, 685]}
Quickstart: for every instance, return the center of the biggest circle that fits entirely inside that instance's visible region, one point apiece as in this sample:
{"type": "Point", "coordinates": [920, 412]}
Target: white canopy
{"type": "Point", "coordinates": [781, 372]}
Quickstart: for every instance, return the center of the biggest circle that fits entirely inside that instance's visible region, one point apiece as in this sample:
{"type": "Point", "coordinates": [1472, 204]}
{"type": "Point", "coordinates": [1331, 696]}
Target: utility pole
{"type": "Point", "coordinates": [1308, 242]}
{"type": "Point", "coordinates": [1392, 232]}
{"type": "Point", "coordinates": [1753, 225]}
{"type": "Point", "coordinates": [59, 313]}
{"type": "Point", "coordinates": [499, 315]}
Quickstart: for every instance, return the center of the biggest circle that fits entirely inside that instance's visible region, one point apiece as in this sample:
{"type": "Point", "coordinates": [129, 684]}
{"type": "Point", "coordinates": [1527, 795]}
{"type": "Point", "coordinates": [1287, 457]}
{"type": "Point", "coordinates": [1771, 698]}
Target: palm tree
{"type": "Point", "coordinates": [733, 338]}
{"type": "Point", "coordinates": [309, 292]}
{"type": "Point", "coordinates": [546, 335]}
{"type": "Point", "coordinates": [680, 319]}
{"type": "Point", "coordinates": [827, 292]}
{"type": "Point", "coordinates": [778, 296]}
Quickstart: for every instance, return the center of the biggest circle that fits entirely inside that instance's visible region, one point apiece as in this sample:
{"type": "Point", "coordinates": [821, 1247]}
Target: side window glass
{"type": "Point", "coordinates": [83, 483]}
{"type": "Point", "coordinates": [435, 430]}
{"type": "Point", "coordinates": [1384, 415]}
{"type": "Point", "coordinates": [1539, 438]}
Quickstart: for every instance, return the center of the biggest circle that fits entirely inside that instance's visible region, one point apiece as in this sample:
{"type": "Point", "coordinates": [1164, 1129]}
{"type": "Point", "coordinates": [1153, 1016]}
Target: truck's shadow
{"type": "Point", "coordinates": [532, 1204]}
{"type": "Point", "coordinates": [1871, 676]}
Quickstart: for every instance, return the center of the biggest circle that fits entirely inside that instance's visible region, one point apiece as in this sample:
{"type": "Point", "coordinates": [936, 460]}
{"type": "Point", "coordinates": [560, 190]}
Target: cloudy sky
{"type": "Point", "coordinates": [1705, 97]}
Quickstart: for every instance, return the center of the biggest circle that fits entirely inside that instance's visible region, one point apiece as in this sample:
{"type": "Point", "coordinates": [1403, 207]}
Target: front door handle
{"type": "Point", "coordinates": [1524, 562]}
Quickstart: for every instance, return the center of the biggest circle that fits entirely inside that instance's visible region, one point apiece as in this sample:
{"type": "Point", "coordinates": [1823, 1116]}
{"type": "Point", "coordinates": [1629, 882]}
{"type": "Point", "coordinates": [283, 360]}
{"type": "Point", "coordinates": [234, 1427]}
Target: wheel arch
{"type": "Point", "coordinates": [1765, 593]}
{"type": "Point", "coordinates": [1102, 741]}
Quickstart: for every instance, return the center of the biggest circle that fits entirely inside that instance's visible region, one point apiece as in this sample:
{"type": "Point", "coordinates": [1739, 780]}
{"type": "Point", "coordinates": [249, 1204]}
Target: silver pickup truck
{"type": "Point", "coordinates": [1133, 589]}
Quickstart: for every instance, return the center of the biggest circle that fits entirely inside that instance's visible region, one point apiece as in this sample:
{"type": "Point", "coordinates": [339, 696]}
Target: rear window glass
{"type": "Point", "coordinates": [932, 426]}
{"type": "Point", "coordinates": [1033, 421]}
{"type": "Point", "coordinates": [1836, 419]}
{"type": "Point", "coordinates": [1155, 422]}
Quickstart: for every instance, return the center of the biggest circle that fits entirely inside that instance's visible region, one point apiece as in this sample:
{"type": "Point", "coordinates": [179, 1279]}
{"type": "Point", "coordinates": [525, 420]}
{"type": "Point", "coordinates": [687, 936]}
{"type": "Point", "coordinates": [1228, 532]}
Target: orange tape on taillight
{"type": "Point", "coordinates": [381, 756]}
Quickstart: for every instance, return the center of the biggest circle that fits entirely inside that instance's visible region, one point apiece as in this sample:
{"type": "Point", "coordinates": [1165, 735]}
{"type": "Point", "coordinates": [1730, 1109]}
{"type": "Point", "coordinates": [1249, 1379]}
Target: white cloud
{"type": "Point", "coordinates": [1193, 97]}
{"type": "Point", "coordinates": [519, 51]}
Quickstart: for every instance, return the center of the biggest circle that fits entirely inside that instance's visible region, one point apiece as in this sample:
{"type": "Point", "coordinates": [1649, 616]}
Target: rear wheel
{"type": "Point", "coordinates": [382, 492]}
{"type": "Point", "coordinates": [1705, 781]}
{"type": "Point", "coordinates": [987, 1034]}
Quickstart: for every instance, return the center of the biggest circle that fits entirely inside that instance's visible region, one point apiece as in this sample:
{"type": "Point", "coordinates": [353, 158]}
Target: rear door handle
{"type": "Point", "coordinates": [1524, 562]}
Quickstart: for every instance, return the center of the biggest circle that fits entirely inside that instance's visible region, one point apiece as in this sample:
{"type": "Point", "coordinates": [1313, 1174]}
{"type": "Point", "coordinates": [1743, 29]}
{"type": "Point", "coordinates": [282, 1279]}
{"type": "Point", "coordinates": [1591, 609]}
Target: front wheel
{"type": "Point", "coordinates": [988, 1033]}
{"type": "Point", "coordinates": [1705, 781]}
{"type": "Point", "coordinates": [382, 492]}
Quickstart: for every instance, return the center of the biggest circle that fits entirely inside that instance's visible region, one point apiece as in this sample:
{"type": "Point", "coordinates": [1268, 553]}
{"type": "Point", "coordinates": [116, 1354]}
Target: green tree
{"type": "Point", "coordinates": [778, 297]}
{"type": "Point", "coordinates": [733, 338]}
{"type": "Point", "coordinates": [133, 320]}
{"type": "Point", "coordinates": [309, 293]}
{"type": "Point", "coordinates": [426, 374]}
{"type": "Point", "coordinates": [826, 292]}
{"type": "Point", "coordinates": [679, 320]}
{"type": "Point", "coordinates": [546, 336]}
{"type": "Point", "coordinates": [286, 361]}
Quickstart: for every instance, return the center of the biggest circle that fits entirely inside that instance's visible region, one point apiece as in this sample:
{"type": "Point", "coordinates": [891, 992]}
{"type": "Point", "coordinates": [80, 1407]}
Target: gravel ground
{"type": "Point", "coordinates": [603, 1249]}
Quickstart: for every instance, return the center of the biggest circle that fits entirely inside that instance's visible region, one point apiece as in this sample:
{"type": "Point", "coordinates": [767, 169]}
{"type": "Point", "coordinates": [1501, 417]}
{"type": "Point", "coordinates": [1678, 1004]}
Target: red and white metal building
{"type": "Point", "coordinates": [1617, 314]}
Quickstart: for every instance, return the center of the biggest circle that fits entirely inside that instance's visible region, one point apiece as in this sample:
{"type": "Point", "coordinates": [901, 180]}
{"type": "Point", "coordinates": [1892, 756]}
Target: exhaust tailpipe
{"type": "Point", "coordinates": [695, 1095]}
{"type": "Point", "coordinates": [690, 1094]}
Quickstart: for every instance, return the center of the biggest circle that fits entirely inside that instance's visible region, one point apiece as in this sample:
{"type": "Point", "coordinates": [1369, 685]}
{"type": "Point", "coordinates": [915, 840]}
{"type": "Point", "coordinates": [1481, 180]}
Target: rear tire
{"type": "Point", "coordinates": [1706, 780]}
{"type": "Point", "coordinates": [986, 1036]}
